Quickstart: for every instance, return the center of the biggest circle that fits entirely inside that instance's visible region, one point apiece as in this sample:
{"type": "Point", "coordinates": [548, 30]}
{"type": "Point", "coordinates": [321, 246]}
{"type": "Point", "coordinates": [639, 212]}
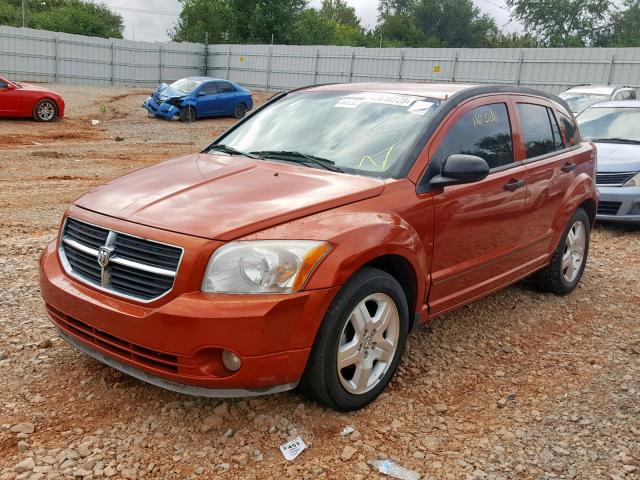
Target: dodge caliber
{"type": "Point", "coordinates": [303, 245]}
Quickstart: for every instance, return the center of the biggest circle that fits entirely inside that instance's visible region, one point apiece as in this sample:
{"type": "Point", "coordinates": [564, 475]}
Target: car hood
{"type": "Point", "coordinates": [618, 157]}
{"type": "Point", "coordinates": [222, 197]}
{"type": "Point", "coordinates": [165, 91]}
{"type": "Point", "coordinates": [35, 88]}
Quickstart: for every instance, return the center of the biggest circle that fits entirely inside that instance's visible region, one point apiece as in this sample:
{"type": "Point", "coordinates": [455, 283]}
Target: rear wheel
{"type": "Point", "coordinates": [360, 342]}
{"type": "Point", "coordinates": [188, 114]}
{"type": "Point", "coordinates": [45, 111]}
{"type": "Point", "coordinates": [569, 259]}
{"type": "Point", "coordinates": [240, 111]}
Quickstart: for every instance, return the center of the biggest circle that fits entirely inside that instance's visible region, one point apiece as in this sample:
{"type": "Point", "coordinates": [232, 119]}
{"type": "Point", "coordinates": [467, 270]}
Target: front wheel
{"type": "Point", "coordinates": [360, 342]}
{"type": "Point", "coordinates": [569, 259]}
{"type": "Point", "coordinates": [45, 111]}
{"type": "Point", "coordinates": [188, 115]}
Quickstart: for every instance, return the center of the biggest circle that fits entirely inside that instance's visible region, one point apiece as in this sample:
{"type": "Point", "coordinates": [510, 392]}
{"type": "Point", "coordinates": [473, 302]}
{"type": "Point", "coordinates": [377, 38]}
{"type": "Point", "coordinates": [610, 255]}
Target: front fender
{"type": "Point", "coordinates": [357, 238]}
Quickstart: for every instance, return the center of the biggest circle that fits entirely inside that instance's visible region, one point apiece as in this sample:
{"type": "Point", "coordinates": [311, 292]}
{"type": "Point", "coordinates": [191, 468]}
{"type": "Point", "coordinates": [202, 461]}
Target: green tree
{"type": "Point", "coordinates": [340, 12]}
{"type": "Point", "coordinates": [625, 28]}
{"type": "Point", "coordinates": [565, 23]}
{"type": "Point", "coordinates": [429, 23]}
{"type": "Point", "coordinates": [238, 21]}
{"type": "Point", "coordinates": [68, 16]}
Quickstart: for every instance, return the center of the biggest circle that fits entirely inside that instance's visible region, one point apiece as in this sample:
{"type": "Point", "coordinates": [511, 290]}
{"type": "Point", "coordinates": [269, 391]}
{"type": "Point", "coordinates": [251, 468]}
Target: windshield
{"type": "Point", "coordinates": [610, 123]}
{"type": "Point", "coordinates": [579, 101]}
{"type": "Point", "coordinates": [364, 133]}
{"type": "Point", "coordinates": [186, 85]}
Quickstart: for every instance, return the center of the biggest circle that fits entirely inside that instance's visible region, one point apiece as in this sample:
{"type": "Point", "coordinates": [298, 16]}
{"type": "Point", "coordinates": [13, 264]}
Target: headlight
{"type": "Point", "coordinates": [633, 181]}
{"type": "Point", "coordinates": [263, 266]}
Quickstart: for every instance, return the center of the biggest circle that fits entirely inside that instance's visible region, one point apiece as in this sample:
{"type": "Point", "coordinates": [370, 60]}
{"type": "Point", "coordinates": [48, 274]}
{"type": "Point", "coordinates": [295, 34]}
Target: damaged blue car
{"type": "Point", "coordinates": [199, 97]}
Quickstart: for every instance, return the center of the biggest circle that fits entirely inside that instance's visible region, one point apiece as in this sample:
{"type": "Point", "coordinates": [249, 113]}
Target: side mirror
{"type": "Point", "coordinates": [459, 168]}
{"type": "Point", "coordinates": [202, 94]}
{"type": "Point", "coordinates": [9, 86]}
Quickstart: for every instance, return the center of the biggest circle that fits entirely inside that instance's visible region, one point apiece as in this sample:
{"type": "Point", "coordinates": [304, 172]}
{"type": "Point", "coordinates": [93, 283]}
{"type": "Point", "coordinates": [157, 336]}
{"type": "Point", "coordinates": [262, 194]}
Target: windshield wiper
{"type": "Point", "coordinates": [299, 157]}
{"type": "Point", "coordinates": [221, 147]}
{"type": "Point", "coordinates": [616, 140]}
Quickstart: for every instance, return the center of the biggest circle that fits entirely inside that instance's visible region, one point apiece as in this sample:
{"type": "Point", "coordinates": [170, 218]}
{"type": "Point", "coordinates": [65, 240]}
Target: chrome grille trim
{"type": "Point", "coordinates": [142, 287]}
{"type": "Point", "coordinates": [613, 179]}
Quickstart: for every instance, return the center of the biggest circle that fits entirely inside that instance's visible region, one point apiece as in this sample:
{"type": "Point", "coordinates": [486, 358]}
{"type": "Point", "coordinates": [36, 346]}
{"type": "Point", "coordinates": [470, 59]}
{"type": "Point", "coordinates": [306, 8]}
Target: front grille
{"type": "Point", "coordinates": [608, 208]}
{"type": "Point", "coordinates": [113, 344]}
{"type": "Point", "coordinates": [617, 178]}
{"type": "Point", "coordinates": [135, 267]}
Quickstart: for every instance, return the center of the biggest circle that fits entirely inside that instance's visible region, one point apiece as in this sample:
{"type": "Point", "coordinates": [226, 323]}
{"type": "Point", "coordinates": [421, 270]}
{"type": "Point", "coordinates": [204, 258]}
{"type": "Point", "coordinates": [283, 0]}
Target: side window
{"type": "Point", "coordinates": [557, 138]}
{"type": "Point", "coordinates": [483, 131]}
{"type": "Point", "coordinates": [536, 129]}
{"type": "Point", "coordinates": [618, 96]}
{"type": "Point", "coordinates": [626, 94]}
{"type": "Point", "coordinates": [225, 87]}
{"type": "Point", "coordinates": [571, 135]}
{"type": "Point", "coordinates": [632, 94]}
{"type": "Point", "coordinates": [209, 89]}
{"type": "Point", "coordinates": [3, 84]}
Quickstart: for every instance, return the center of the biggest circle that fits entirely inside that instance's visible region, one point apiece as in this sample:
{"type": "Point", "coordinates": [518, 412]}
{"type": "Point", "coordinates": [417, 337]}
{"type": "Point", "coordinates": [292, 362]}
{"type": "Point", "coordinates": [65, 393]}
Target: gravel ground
{"type": "Point", "coordinates": [518, 385]}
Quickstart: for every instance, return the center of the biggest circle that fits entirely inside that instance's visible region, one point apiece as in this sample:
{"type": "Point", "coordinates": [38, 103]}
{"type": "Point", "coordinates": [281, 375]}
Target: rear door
{"type": "Point", "coordinates": [551, 167]}
{"type": "Point", "coordinates": [207, 100]}
{"type": "Point", "coordinates": [478, 226]}
{"type": "Point", "coordinates": [226, 97]}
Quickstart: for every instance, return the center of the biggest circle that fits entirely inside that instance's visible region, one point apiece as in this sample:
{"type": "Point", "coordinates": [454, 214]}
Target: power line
{"type": "Point", "coordinates": [497, 5]}
{"type": "Point", "coordinates": [144, 10]}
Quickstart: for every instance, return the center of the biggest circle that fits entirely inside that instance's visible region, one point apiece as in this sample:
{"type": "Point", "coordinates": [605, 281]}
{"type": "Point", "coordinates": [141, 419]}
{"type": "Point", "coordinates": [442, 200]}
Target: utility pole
{"type": "Point", "coordinates": [24, 13]}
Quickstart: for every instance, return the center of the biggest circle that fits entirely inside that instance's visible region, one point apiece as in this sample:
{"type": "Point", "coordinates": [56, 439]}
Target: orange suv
{"type": "Point", "coordinates": [303, 246]}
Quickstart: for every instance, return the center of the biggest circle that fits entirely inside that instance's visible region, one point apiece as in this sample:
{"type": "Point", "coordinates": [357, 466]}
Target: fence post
{"type": "Point", "coordinates": [206, 54]}
{"type": "Point", "coordinates": [315, 69]}
{"type": "Point", "coordinates": [228, 62]}
{"type": "Point", "coordinates": [611, 65]}
{"type": "Point", "coordinates": [112, 64]}
{"type": "Point", "coordinates": [353, 57]}
{"type": "Point", "coordinates": [519, 66]}
{"type": "Point", "coordinates": [400, 65]}
{"type": "Point", "coordinates": [56, 68]}
{"type": "Point", "coordinates": [161, 53]}
{"type": "Point", "coordinates": [269, 66]}
{"type": "Point", "coordinates": [453, 67]}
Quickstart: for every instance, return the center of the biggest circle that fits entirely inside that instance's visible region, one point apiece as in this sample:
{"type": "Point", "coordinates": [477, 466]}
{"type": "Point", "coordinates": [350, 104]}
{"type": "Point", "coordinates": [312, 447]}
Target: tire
{"type": "Point", "coordinates": [564, 272]}
{"type": "Point", "coordinates": [240, 111]}
{"type": "Point", "coordinates": [188, 115]}
{"type": "Point", "coordinates": [45, 111]}
{"type": "Point", "coordinates": [362, 296]}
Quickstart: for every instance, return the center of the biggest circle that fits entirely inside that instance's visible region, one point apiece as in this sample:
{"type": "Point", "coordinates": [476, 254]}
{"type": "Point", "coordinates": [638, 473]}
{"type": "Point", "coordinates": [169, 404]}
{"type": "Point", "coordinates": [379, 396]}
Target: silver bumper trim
{"type": "Point", "coordinates": [173, 386]}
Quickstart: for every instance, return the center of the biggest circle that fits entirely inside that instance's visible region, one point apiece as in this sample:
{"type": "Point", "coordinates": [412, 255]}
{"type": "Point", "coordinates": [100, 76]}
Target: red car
{"type": "Point", "coordinates": [26, 100]}
{"type": "Point", "coordinates": [302, 247]}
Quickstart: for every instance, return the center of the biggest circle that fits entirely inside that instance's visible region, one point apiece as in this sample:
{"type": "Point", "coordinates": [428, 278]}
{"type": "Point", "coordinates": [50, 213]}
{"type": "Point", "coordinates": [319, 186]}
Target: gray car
{"type": "Point", "coordinates": [580, 97]}
{"type": "Point", "coordinates": [615, 129]}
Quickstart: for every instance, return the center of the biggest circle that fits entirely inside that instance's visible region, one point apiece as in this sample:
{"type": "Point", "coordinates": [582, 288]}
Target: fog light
{"type": "Point", "coordinates": [231, 361]}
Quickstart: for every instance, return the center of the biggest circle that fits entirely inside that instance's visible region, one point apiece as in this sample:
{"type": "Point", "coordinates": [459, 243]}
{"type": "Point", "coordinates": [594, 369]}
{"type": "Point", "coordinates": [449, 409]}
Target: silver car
{"type": "Point", "coordinates": [580, 97]}
{"type": "Point", "coordinates": [615, 129]}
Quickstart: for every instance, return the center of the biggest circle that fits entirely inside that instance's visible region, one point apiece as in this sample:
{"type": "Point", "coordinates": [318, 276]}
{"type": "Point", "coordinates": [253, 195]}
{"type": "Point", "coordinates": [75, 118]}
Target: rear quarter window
{"type": "Point", "coordinates": [569, 130]}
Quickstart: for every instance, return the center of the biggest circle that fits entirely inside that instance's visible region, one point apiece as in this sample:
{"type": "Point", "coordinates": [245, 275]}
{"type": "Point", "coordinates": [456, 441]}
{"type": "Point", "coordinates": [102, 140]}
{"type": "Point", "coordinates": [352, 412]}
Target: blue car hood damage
{"type": "Point", "coordinates": [165, 91]}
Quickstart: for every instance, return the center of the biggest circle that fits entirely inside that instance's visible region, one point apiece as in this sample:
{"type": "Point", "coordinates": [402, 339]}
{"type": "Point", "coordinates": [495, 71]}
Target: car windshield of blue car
{"type": "Point", "coordinates": [611, 124]}
{"type": "Point", "coordinates": [186, 85]}
{"type": "Point", "coordinates": [368, 133]}
{"type": "Point", "coordinates": [579, 101]}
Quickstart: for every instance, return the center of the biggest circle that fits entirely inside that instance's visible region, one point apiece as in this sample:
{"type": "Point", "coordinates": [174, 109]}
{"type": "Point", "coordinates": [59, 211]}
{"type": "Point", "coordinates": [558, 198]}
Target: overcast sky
{"type": "Point", "coordinates": [141, 24]}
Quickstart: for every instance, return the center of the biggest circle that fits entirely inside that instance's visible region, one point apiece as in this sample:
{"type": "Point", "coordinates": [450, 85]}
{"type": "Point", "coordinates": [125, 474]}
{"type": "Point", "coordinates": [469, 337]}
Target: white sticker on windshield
{"type": "Point", "coordinates": [348, 103]}
{"type": "Point", "coordinates": [420, 107]}
{"type": "Point", "coordinates": [355, 101]}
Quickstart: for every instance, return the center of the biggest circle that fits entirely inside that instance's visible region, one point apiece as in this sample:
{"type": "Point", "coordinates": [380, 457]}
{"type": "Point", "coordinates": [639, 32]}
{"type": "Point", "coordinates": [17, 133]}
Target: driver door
{"type": "Point", "coordinates": [477, 231]}
{"type": "Point", "coordinates": [208, 100]}
{"type": "Point", "coordinates": [9, 100]}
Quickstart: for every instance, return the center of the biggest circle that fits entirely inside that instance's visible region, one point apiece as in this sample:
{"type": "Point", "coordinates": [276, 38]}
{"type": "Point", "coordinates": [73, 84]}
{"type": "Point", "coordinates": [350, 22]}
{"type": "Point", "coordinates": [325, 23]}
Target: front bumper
{"type": "Point", "coordinates": [163, 110]}
{"type": "Point", "coordinates": [178, 344]}
{"type": "Point", "coordinates": [619, 204]}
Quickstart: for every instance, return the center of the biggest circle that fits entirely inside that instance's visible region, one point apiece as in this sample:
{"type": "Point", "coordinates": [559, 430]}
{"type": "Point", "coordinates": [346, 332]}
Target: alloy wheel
{"type": "Point", "coordinates": [573, 255]}
{"type": "Point", "coordinates": [368, 343]}
{"type": "Point", "coordinates": [46, 111]}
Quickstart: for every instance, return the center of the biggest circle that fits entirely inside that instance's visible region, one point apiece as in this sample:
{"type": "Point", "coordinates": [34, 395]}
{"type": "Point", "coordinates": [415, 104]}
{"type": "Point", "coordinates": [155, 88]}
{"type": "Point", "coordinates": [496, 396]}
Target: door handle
{"type": "Point", "coordinates": [514, 185]}
{"type": "Point", "coordinates": [568, 167]}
